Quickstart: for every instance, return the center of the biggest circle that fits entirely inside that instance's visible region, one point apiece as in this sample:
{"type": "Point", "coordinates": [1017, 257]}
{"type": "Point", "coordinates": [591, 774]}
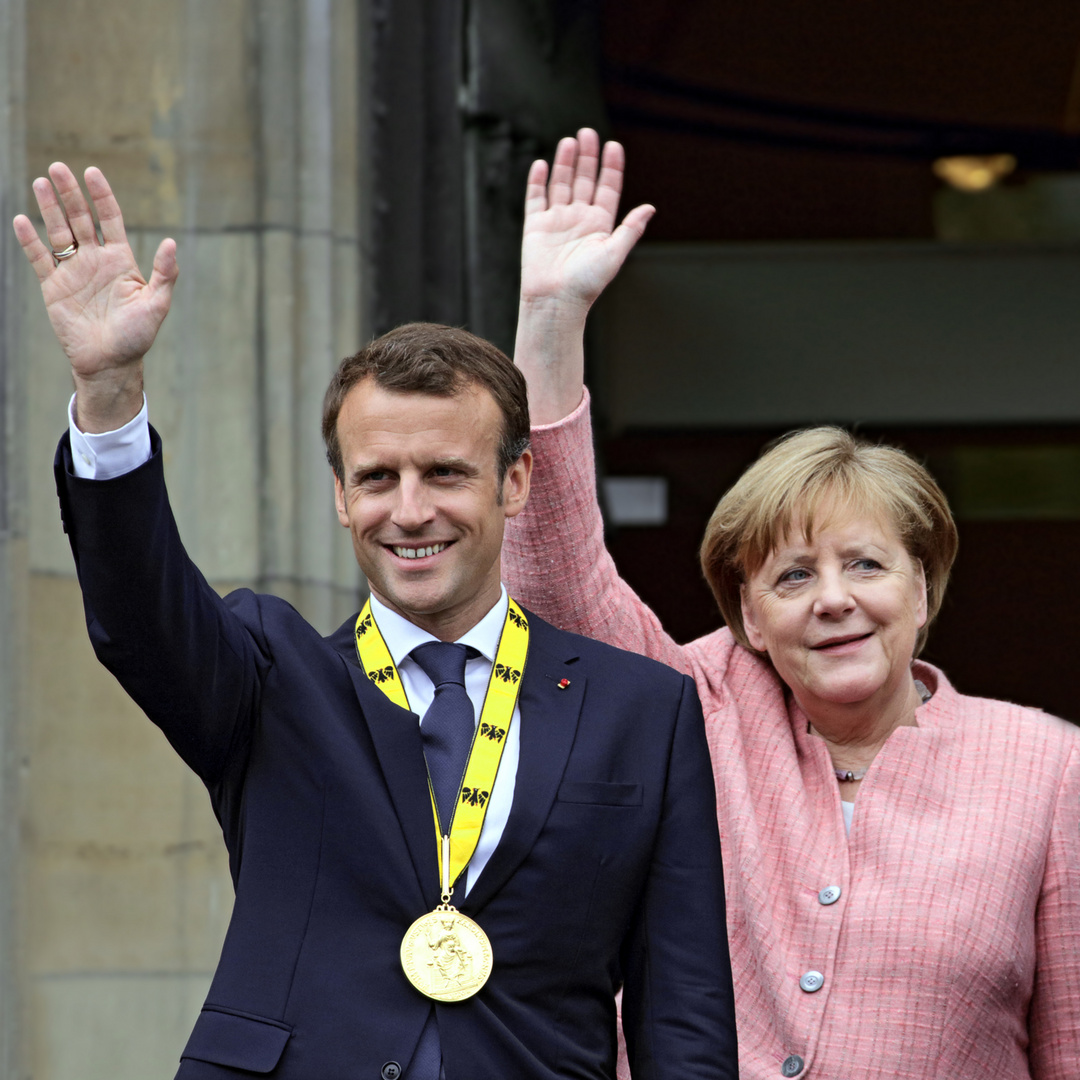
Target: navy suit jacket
{"type": "Point", "coordinates": [608, 871]}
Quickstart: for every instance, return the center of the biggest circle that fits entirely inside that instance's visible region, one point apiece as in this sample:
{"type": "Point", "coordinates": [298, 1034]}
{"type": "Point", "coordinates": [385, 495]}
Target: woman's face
{"type": "Point", "coordinates": [838, 613]}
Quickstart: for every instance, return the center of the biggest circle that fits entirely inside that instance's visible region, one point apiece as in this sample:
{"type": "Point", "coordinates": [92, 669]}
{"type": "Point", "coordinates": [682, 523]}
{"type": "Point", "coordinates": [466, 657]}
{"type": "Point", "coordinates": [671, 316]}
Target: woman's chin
{"type": "Point", "coordinates": [852, 689]}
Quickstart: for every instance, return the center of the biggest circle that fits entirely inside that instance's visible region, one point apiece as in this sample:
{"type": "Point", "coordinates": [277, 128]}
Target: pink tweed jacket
{"type": "Point", "coordinates": [946, 927]}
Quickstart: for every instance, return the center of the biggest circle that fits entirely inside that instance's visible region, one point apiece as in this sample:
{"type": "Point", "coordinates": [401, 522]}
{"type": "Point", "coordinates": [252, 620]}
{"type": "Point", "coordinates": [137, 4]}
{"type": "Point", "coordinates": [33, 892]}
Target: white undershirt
{"type": "Point", "coordinates": [113, 453]}
{"type": "Point", "coordinates": [849, 813]}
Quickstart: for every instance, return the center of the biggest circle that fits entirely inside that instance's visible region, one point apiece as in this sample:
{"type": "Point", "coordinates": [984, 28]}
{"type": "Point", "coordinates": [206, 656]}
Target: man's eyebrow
{"type": "Point", "coordinates": [454, 463]}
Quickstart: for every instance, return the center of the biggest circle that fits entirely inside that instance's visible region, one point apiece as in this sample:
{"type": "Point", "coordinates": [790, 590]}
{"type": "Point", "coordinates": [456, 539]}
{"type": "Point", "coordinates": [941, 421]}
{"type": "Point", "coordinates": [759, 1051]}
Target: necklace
{"type": "Point", "coordinates": [849, 776]}
{"type": "Point", "coordinates": [846, 776]}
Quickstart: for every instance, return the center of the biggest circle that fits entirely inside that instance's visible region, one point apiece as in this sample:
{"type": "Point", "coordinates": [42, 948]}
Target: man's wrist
{"type": "Point", "coordinates": [109, 399]}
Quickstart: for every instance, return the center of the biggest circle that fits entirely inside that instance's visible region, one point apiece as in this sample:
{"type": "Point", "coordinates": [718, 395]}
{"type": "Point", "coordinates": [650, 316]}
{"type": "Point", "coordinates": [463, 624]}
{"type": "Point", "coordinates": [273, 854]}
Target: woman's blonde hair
{"type": "Point", "coordinates": [824, 471]}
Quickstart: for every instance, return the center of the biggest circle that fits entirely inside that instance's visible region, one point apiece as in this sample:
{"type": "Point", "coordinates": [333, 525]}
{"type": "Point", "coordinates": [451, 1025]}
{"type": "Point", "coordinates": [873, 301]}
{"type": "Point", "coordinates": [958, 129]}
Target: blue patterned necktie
{"type": "Point", "coordinates": [448, 725]}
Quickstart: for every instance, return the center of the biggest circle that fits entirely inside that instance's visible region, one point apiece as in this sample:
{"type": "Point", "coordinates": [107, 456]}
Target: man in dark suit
{"type": "Point", "coordinates": [461, 896]}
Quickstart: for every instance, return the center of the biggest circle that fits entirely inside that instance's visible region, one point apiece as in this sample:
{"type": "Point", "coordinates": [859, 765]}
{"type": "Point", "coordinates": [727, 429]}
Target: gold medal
{"type": "Point", "coordinates": [446, 956]}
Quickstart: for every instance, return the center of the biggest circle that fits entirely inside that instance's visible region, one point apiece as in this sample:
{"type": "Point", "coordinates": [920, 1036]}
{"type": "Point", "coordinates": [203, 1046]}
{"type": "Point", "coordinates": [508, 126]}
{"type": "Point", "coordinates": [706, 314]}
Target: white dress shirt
{"type": "Point", "coordinates": [113, 453]}
{"type": "Point", "coordinates": [401, 637]}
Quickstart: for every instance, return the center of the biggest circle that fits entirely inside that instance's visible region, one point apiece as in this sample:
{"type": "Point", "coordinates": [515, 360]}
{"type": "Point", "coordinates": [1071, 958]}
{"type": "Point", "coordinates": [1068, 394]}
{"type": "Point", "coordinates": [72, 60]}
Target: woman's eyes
{"type": "Point", "coordinates": [794, 576]}
{"type": "Point", "coordinates": [798, 574]}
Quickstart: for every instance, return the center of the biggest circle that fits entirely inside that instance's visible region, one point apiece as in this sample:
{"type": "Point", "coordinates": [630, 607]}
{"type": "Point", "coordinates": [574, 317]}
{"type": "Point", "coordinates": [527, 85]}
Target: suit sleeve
{"type": "Point", "coordinates": [1054, 1018]}
{"type": "Point", "coordinates": [678, 1008]}
{"type": "Point", "coordinates": [177, 648]}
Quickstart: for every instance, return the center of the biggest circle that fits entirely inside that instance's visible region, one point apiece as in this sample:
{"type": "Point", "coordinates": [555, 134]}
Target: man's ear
{"type": "Point", "coordinates": [339, 501]}
{"type": "Point", "coordinates": [749, 621]}
{"type": "Point", "coordinates": [515, 487]}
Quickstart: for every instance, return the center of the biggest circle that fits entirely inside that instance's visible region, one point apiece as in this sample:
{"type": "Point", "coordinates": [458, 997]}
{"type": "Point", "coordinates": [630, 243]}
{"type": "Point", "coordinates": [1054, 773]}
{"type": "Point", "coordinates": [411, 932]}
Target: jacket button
{"type": "Point", "coordinates": [812, 981]}
{"type": "Point", "coordinates": [829, 895]}
{"type": "Point", "coordinates": [391, 1071]}
{"type": "Point", "coordinates": [793, 1065]}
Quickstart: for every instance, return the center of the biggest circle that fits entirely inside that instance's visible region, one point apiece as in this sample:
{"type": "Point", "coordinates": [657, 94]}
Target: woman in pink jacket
{"type": "Point", "coordinates": [902, 861]}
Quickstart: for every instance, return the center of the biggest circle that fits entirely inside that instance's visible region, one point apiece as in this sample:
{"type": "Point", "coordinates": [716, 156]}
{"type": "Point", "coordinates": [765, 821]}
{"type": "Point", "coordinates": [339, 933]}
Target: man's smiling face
{"type": "Point", "coordinates": [423, 502]}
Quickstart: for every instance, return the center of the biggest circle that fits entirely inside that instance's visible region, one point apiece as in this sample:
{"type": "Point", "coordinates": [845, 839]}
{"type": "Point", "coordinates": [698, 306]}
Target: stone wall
{"type": "Point", "coordinates": [235, 126]}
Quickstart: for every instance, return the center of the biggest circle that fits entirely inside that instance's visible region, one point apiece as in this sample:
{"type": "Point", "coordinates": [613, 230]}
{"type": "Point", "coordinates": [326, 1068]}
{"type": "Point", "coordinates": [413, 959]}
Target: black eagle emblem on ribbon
{"type": "Point", "coordinates": [517, 620]}
{"type": "Point", "coordinates": [363, 626]}
{"type": "Point", "coordinates": [473, 796]}
{"type": "Point", "coordinates": [492, 732]}
{"type": "Point", "coordinates": [381, 675]}
{"type": "Point", "coordinates": [507, 674]}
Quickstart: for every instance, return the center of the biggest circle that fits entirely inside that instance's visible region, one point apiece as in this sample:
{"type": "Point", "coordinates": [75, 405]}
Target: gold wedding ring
{"type": "Point", "coordinates": [67, 252]}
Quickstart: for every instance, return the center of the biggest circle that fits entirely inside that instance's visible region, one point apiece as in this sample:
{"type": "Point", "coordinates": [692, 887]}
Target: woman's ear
{"type": "Point", "coordinates": [921, 606]}
{"type": "Point", "coordinates": [749, 620]}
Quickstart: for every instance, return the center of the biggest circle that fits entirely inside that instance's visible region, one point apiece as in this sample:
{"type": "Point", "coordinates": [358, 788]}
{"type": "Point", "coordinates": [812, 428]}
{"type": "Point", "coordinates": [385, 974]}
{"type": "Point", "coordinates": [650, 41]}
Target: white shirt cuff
{"type": "Point", "coordinates": [110, 453]}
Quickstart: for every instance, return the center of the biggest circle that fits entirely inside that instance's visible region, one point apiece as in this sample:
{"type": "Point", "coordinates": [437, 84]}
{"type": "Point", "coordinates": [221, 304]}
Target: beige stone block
{"type": "Point", "coordinates": [351, 334]}
{"type": "Point", "coordinates": [316, 519]}
{"type": "Point", "coordinates": [48, 382]}
{"type": "Point", "coordinates": [101, 773]}
{"type": "Point", "coordinates": [279, 403]}
{"type": "Point", "coordinates": [279, 77]}
{"type": "Point", "coordinates": [315, 114]}
{"type": "Point", "coordinates": [347, 90]}
{"type": "Point", "coordinates": [154, 94]}
{"type": "Point", "coordinates": [351, 331]}
{"type": "Point", "coordinates": [104, 907]}
{"type": "Point", "coordinates": [124, 859]}
{"type": "Point", "coordinates": [114, 1026]}
{"type": "Point", "coordinates": [202, 385]}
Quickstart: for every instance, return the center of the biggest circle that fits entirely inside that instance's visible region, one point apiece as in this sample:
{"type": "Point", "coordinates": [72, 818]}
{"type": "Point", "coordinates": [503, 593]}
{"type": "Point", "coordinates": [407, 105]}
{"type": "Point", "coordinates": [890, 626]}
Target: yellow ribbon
{"type": "Point", "coordinates": [489, 738]}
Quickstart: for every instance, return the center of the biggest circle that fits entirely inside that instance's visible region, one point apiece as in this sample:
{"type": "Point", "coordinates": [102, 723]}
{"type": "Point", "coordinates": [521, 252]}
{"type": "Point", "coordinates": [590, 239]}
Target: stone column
{"type": "Point", "coordinates": [312, 301]}
{"type": "Point", "coordinates": [231, 125]}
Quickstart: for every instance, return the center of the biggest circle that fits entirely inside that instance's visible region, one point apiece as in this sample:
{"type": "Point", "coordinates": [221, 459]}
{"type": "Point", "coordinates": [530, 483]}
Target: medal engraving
{"type": "Point", "coordinates": [445, 955]}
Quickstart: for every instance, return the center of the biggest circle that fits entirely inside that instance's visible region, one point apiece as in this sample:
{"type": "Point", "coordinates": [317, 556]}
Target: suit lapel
{"type": "Point", "coordinates": [396, 735]}
{"type": "Point", "coordinates": [549, 720]}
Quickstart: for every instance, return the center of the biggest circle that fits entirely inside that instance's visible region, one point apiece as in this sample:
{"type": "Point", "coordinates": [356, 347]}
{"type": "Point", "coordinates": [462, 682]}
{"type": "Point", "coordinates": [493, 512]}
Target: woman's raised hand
{"type": "Point", "coordinates": [103, 311]}
{"type": "Point", "coordinates": [572, 247]}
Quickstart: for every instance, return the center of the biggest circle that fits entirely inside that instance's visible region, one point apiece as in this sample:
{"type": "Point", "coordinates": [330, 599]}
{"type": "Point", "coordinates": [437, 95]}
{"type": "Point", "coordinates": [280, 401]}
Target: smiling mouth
{"type": "Point", "coordinates": [417, 552]}
{"type": "Point", "coordinates": [835, 642]}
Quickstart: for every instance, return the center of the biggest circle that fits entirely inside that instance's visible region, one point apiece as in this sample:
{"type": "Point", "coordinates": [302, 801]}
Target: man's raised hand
{"type": "Point", "coordinates": [104, 313]}
{"type": "Point", "coordinates": [572, 247]}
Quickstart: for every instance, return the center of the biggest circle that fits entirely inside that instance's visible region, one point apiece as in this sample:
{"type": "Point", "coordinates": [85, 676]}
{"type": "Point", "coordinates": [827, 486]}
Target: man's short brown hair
{"type": "Point", "coordinates": [426, 358]}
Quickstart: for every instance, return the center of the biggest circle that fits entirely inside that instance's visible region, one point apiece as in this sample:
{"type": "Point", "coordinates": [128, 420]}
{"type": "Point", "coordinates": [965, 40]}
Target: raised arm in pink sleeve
{"type": "Point", "coordinates": [554, 559]}
{"type": "Point", "coordinates": [1054, 1019]}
